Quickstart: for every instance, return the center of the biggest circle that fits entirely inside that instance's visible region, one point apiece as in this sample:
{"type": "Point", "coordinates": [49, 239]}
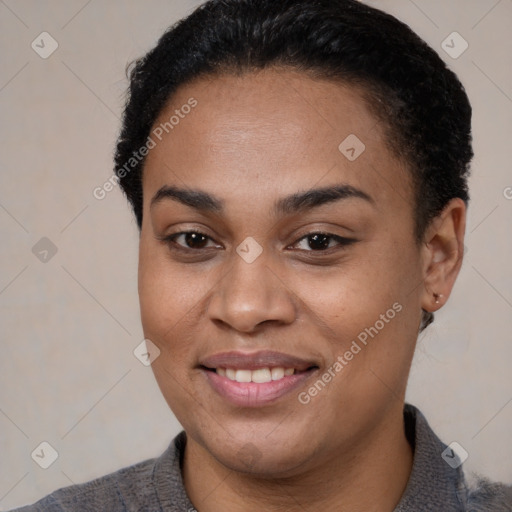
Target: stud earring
{"type": "Point", "coordinates": [437, 296]}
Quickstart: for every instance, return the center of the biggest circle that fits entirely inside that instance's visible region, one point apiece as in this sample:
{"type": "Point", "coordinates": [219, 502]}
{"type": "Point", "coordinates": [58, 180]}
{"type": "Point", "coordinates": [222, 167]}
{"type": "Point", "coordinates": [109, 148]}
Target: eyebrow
{"type": "Point", "coordinates": [297, 202]}
{"type": "Point", "coordinates": [314, 198]}
{"type": "Point", "coordinates": [194, 198]}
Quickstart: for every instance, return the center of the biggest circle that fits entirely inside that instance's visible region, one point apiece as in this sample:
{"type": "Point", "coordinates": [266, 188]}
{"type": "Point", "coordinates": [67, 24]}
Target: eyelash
{"type": "Point", "coordinates": [173, 245]}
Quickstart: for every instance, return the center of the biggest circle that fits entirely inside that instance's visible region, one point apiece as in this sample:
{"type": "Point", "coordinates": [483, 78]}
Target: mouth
{"type": "Point", "coordinates": [252, 380]}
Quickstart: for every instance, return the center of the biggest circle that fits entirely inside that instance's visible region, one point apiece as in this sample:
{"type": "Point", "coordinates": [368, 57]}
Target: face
{"type": "Point", "coordinates": [278, 271]}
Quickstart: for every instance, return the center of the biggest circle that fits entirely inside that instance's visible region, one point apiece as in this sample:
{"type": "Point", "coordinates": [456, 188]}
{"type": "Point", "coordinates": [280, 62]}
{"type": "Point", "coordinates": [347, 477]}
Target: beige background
{"type": "Point", "coordinates": [69, 326]}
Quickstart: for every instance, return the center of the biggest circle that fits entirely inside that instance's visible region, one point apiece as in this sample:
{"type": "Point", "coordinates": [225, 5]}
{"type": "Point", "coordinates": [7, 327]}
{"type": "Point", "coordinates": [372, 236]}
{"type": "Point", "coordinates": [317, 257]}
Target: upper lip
{"type": "Point", "coordinates": [254, 360]}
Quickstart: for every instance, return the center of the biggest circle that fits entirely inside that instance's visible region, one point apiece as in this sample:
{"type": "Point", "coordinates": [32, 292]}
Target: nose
{"type": "Point", "coordinates": [249, 295]}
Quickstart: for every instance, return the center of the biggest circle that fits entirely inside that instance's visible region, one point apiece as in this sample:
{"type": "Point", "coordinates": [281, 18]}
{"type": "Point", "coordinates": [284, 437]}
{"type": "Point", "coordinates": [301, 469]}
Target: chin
{"type": "Point", "coordinates": [263, 462]}
{"type": "Point", "coordinates": [278, 454]}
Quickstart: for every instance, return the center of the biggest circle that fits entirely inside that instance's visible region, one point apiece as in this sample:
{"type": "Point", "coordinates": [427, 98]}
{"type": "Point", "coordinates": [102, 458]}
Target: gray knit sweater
{"type": "Point", "coordinates": [156, 485]}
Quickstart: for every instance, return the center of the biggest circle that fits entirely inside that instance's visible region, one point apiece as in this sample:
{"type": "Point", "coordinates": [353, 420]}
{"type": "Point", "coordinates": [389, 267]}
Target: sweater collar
{"type": "Point", "coordinates": [433, 484]}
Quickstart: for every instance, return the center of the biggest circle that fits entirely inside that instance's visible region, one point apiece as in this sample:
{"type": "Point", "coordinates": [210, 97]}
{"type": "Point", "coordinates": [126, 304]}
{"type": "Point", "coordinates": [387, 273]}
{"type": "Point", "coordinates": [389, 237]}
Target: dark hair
{"type": "Point", "coordinates": [405, 83]}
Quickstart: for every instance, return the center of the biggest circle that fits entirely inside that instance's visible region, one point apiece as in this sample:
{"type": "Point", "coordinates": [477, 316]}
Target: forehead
{"type": "Point", "coordinates": [276, 131]}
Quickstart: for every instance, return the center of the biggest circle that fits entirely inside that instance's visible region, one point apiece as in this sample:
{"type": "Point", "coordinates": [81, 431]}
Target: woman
{"type": "Point", "coordinates": [298, 172]}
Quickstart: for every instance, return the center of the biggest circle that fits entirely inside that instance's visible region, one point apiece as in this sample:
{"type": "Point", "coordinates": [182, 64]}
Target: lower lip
{"type": "Point", "coordinates": [251, 394]}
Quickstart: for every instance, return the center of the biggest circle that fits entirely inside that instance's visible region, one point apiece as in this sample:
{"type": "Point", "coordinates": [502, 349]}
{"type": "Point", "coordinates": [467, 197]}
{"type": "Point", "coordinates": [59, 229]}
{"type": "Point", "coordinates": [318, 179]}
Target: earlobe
{"type": "Point", "coordinates": [437, 297]}
{"type": "Point", "coordinates": [442, 254]}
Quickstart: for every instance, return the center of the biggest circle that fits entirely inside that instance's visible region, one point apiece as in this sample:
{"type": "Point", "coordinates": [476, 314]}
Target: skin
{"type": "Point", "coordinates": [250, 141]}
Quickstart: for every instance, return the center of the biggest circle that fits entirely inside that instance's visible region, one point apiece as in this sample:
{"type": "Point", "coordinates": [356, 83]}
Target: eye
{"type": "Point", "coordinates": [321, 242]}
{"type": "Point", "coordinates": [190, 240]}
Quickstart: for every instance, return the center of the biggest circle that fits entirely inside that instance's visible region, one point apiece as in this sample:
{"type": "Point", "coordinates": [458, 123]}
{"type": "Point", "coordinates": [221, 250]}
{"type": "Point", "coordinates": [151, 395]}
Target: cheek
{"type": "Point", "coordinates": [356, 289]}
{"type": "Point", "coordinates": [367, 297]}
{"type": "Point", "coordinates": [167, 294]}
{"type": "Point", "coordinates": [169, 299]}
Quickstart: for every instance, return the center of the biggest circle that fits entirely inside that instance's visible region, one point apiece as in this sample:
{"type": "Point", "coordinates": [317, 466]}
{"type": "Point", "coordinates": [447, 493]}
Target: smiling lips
{"type": "Point", "coordinates": [252, 380]}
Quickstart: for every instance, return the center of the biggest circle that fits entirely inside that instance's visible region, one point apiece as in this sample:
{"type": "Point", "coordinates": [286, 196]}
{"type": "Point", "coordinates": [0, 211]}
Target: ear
{"type": "Point", "coordinates": [442, 251]}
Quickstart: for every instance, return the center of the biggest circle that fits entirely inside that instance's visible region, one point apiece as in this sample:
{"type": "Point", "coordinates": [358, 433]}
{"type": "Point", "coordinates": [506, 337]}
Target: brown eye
{"type": "Point", "coordinates": [319, 242]}
{"type": "Point", "coordinates": [193, 240]}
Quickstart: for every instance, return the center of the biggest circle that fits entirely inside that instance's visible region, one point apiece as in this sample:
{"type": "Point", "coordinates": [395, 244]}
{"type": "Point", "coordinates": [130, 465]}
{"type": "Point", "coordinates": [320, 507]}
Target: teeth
{"type": "Point", "coordinates": [277, 373]}
{"type": "Point", "coordinates": [260, 376]}
{"type": "Point", "coordinates": [243, 375]}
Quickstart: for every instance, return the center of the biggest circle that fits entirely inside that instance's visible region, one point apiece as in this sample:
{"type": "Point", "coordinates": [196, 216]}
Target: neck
{"type": "Point", "coordinates": [371, 476]}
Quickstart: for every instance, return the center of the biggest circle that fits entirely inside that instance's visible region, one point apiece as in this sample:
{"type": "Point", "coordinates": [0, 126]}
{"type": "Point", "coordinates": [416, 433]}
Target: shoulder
{"type": "Point", "coordinates": [438, 480]}
{"type": "Point", "coordinates": [484, 495]}
{"type": "Point", "coordinates": [111, 492]}
{"type": "Point", "coordinates": [143, 486]}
